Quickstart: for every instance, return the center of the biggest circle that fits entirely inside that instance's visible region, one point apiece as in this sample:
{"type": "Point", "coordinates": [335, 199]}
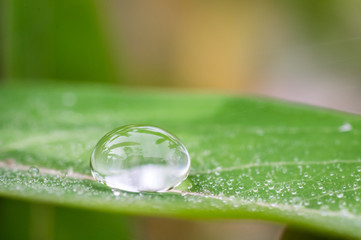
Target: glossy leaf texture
{"type": "Point", "coordinates": [252, 158]}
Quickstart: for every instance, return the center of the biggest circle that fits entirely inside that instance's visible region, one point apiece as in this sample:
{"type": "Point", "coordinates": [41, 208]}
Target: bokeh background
{"type": "Point", "coordinates": [302, 50]}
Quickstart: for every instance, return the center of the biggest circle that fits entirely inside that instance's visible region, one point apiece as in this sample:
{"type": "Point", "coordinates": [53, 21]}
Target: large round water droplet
{"type": "Point", "coordinates": [140, 158]}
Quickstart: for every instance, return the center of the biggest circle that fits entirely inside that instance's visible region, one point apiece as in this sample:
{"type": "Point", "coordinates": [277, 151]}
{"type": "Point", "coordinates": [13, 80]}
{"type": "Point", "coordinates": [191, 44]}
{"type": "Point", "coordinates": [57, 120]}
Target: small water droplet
{"type": "Point", "coordinates": [138, 158]}
{"type": "Point", "coordinates": [63, 174]}
{"type": "Point", "coordinates": [33, 171]}
{"type": "Point", "coordinates": [346, 127]}
{"type": "Point", "coordinates": [339, 195]}
{"type": "Point", "coordinates": [279, 189]}
{"type": "Point", "coordinates": [116, 192]}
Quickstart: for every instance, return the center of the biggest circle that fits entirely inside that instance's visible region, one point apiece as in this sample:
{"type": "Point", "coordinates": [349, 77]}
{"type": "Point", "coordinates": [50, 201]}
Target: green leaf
{"type": "Point", "coordinates": [65, 42]}
{"type": "Point", "coordinates": [252, 157]}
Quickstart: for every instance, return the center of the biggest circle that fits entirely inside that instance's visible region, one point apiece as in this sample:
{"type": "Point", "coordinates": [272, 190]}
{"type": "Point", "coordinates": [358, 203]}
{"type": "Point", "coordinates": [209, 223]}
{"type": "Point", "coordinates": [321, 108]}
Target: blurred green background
{"type": "Point", "coordinates": [305, 51]}
{"type": "Point", "coordinates": [302, 50]}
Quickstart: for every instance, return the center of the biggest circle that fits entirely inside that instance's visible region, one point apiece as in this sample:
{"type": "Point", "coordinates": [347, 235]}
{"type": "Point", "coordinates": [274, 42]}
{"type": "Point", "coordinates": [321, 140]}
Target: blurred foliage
{"type": "Point", "coordinates": [55, 40]}
{"type": "Point", "coordinates": [331, 28]}
{"type": "Point", "coordinates": [25, 220]}
{"type": "Point", "coordinates": [200, 47]}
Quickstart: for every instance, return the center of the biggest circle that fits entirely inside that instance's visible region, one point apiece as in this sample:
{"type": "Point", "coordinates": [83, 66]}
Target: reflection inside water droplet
{"type": "Point", "coordinates": [140, 158]}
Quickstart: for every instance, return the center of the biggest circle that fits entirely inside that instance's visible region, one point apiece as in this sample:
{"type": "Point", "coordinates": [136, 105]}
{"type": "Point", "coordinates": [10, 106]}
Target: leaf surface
{"type": "Point", "coordinates": [251, 157]}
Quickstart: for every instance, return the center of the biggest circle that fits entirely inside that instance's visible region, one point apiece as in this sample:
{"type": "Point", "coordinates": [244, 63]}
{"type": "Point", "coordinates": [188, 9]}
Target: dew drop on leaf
{"type": "Point", "coordinates": [139, 158]}
{"type": "Point", "coordinates": [33, 171]}
{"type": "Point", "coordinates": [346, 127]}
{"type": "Point", "coordinates": [340, 195]}
{"type": "Point", "coordinates": [116, 192]}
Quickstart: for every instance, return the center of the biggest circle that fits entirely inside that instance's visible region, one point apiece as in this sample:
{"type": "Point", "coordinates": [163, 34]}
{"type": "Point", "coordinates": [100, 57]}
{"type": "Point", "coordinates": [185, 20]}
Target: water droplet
{"type": "Point", "coordinates": [279, 189]}
{"type": "Point", "coordinates": [340, 195]}
{"type": "Point", "coordinates": [63, 173]}
{"type": "Point", "coordinates": [138, 158]}
{"type": "Point", "coordinates": [116, 192]}
{"type": "Point", "coordinates": [346, 127]}
{"type": "Point", "coordinates": [33, 171]}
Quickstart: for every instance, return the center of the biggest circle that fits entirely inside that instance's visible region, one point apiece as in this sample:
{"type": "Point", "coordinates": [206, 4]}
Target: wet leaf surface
{"type": "Point", "coordinates": [251, 157]}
